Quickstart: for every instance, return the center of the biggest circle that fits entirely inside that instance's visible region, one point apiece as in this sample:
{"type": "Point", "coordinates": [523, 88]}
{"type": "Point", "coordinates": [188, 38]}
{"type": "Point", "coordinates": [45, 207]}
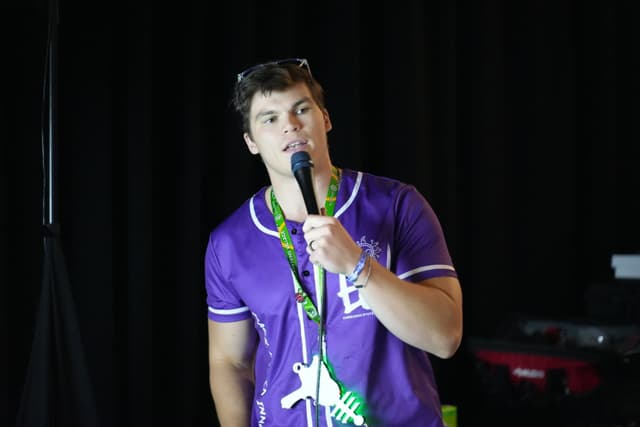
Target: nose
{"type": "Point", "coordinates": [292, 124]}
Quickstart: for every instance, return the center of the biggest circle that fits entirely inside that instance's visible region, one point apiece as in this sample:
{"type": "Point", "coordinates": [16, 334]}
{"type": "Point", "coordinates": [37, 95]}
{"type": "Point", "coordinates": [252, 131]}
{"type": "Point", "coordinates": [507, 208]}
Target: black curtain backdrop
{"type": "Point", "coordinates": [517, 120]}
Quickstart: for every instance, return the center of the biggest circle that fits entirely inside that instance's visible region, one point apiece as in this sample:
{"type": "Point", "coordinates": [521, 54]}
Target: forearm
{"type": "Point", "coordinates": [427, 315]}
{"type": "Point", "coordinates": [232, 390]}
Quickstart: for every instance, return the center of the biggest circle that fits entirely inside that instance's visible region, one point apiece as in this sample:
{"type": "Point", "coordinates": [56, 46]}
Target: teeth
{"type": "Point", "coordinates": [294, 145]}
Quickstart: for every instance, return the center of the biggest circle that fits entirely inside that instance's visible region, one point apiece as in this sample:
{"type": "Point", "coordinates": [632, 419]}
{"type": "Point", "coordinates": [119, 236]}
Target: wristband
{"type": "Point", "coordinates": [359, 266]}
{"type": "Point", "coordinates": [366, 279]}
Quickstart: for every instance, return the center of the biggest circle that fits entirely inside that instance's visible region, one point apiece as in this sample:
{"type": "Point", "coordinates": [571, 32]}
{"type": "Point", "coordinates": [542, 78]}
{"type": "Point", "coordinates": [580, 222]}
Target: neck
{"type": "Point", "coordinates": [290, 198]}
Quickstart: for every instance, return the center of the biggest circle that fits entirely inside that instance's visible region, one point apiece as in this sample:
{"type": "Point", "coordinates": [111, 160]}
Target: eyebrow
{"type": "Point", "coordinates": [293, 107]}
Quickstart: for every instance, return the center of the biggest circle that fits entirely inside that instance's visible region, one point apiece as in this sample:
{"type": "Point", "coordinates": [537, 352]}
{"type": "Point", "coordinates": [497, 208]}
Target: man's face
{"type": "Point", "coordinates": [284, 122]}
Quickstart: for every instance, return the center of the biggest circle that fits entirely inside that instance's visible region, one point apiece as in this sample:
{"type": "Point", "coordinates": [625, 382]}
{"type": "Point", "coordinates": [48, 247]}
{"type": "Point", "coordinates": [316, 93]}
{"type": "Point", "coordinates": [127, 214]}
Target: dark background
{"type": "Point", "coordinates": [517, 120]}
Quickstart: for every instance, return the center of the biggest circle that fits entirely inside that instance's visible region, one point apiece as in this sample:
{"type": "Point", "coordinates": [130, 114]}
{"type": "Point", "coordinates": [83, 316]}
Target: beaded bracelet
{"type": "Point", "coordinates": [359, 266]}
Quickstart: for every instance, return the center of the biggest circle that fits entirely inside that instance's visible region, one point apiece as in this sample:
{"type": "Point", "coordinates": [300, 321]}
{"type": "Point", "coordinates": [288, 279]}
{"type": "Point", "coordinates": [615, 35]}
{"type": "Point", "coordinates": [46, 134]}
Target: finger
{"type": "Point", "coordinates": [312, 234]}
{"type": "Point", "coordinates": [311, 250]}
{"type": "Point", "coordinates": [315, 221]}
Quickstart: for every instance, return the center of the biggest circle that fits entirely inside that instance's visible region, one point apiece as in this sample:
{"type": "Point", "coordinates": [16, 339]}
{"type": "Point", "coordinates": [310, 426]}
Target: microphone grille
{"type": "Point", "coordinates": [300, 159]}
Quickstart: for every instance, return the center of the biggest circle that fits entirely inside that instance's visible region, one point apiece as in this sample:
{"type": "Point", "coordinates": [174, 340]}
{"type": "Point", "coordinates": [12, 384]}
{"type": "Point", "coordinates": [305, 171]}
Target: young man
{"type": "Point", "coordinates": [321, 320]}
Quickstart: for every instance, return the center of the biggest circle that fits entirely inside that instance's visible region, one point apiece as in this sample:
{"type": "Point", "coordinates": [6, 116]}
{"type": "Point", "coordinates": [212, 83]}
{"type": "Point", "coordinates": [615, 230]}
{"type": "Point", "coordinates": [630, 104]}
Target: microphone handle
{"type": "Point", "coordinates": [303, 176]}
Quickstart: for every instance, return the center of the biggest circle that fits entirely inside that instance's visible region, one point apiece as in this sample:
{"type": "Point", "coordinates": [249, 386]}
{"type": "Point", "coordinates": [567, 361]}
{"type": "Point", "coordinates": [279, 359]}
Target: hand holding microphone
{"type": "Point", "coordinates": [328, 243]}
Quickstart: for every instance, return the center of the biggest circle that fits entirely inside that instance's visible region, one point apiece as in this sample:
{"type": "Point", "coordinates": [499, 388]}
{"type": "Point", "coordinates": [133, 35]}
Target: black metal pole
{"type": "Point", "coordinates": [52, 53]}
{"type": "Point", "coordinates": [57, 389]}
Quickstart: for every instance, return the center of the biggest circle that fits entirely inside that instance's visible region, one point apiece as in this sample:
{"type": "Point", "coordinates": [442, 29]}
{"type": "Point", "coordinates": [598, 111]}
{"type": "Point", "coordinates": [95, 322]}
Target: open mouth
{"type": "Point", "coordinates": [295, 146]}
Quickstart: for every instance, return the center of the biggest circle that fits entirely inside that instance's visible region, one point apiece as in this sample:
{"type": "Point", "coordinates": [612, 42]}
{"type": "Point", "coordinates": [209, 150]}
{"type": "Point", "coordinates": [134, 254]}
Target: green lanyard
{"type": "Point", "coordinates": [349, 403]}
{"type": "Point", "coordinates": [289, 251]}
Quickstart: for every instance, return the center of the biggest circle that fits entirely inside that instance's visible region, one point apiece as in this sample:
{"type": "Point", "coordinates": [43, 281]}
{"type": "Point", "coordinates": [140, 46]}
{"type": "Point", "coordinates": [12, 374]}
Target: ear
{"type": "Point", "coordinates": [253, 148]}
{"type": "Point", "coordinates": [327, 120]}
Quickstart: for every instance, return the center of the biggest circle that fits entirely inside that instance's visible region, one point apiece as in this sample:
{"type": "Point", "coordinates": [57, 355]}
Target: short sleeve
{"type": "Point", "coordinates": [422, 251]}
{"type": "Point", "coordinates": [223, 302]}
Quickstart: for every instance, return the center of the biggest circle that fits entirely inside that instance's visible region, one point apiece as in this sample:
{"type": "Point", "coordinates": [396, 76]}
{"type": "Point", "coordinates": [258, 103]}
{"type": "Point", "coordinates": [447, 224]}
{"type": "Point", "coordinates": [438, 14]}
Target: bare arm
{"type": "Point", "coordinates": [231, 352]}
{"type": "Point", "coordinates": [427, 315]}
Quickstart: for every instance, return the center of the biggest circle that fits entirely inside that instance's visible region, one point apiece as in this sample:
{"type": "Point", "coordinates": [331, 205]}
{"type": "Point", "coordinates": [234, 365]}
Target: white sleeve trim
{"type": "Point", "coordinates": [426, 268]}
{"type": "Point", "coordinates": [228, 311]}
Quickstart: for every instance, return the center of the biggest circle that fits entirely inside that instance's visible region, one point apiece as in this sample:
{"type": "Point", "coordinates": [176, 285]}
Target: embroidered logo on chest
{"type": "Point", "coordinates": [371, 246]}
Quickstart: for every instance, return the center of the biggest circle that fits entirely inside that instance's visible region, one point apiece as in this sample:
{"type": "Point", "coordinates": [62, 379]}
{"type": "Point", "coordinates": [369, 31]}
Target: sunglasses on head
{"type": "Point", "coordinates": [300, 62]}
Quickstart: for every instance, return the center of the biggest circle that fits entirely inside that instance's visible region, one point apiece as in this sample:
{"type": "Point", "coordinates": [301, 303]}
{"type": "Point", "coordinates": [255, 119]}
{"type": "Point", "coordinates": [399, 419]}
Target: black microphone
{"type": "Point", "coordinates": [301, 165]}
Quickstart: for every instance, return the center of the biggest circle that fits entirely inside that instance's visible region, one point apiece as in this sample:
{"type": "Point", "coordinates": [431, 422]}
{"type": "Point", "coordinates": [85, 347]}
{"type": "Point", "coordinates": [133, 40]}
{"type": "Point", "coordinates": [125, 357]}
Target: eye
{"type": "Point", "coordinates": [302, 110]}
{"type": "Point", "coordinates": [269, 119]}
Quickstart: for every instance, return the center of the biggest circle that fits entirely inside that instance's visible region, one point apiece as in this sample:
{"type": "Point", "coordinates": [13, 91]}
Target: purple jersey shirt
{"type": "Point", "coordinates": [248, 276]}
